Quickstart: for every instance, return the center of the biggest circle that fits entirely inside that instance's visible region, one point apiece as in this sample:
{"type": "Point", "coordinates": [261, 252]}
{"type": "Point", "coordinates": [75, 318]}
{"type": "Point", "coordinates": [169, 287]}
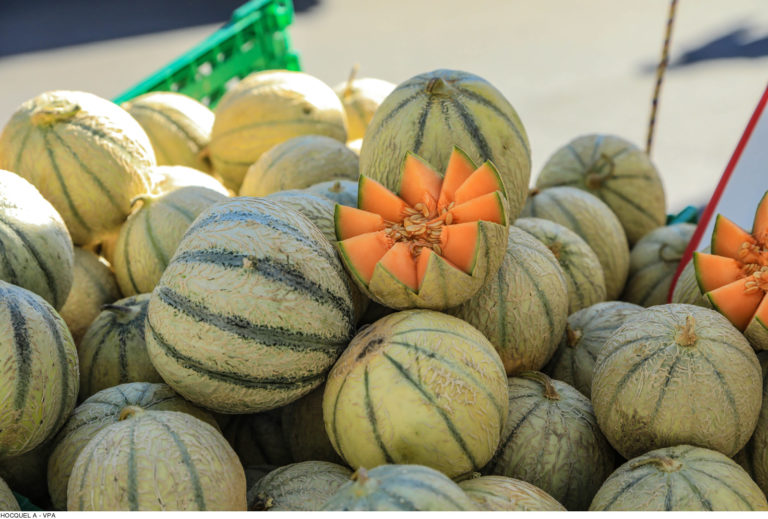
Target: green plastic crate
{"type": "Point", "coordinates": [688, 215]}
{"type": "Point", "coordinates": [254, 39]}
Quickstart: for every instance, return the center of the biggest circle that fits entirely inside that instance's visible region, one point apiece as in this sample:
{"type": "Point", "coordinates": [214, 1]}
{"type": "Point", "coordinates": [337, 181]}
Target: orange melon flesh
{"type": "Point", "coordinates": [488, 208]}
{"type": "Point", "coordinates": [734, 303]}
{"type": "Point", "coordinates": [421, 265]}
{"type": "Point", "coordinates": [375, 198]}
{"type": "Point", "coordinates": [351, 221]}
{"type": "Point", "coordinates": [760, 223]}
{"type": "Point", "coordinates": [399, 261]}
{"type": "Point", "coordinates": [364, 252]}
{"type": "Point", "coordinates": [483, 180]}
{"type": "Point", "coordinates": [419, 183]}
{"type": "Point", "coordinates": [727, 238]}
{"type": "Point", "coordinates": [459, 168]}
{"type": "Point", "coordinates": [713, 272]}
{"type": "Point", "coordinates": [458, 244]}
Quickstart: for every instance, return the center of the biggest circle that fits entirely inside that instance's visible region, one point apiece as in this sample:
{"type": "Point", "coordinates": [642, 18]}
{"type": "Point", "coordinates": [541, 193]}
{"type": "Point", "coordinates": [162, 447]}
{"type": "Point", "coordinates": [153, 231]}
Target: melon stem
{"type": "Point", "coordinates": [120, 309]}
{"type": "Point", "coordinates": [350, 80]}
{"type": "Point", "coordinates": [129, 411]}
{"type": "Point", "coordinates": [438, 86]}
{"type": "Point", "coordinates": [550, 392]}
{"type": "Point", "coordinates": [686, 334]}
{"type": "Point", "coordinates": [674, 257]}
{"type": "Point", "coordinates": [360, 475]}
{"type": "Point", "coordinates": [533, 191]}
{"type": "Point", "coordinates": [663, 463]}
{"type": "Point", "coordinates": [573, 335]}
{"type": "Point", "coordinates": [54, 112]}
{"type": "Point", "coordinates": [597, 172]}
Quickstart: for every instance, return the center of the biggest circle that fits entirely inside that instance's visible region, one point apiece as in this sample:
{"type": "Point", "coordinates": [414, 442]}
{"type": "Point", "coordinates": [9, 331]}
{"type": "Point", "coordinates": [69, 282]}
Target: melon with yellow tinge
{"type": "Point", "coordinates": [265, 109]}
{"type": "Point", "coordinates": [618, 173]}
{"type": "Point", "coordinates": [503, 494]}
{"type": "Point", "coordinates": [169, 178]}
{"type": "Point", "coordinates": [361, 98]}
{"type": "Point", "coordinates": [435, 243]}
{"type": "Point", "coordinates": [754, 456]}
{"type": "Point", "coordinates": [298, 487]}
{"type": "Point", "coordinates": [675, 374]}
{"type": "Point", "coordinates": [342, 192]}
{"type": "Point", "coordinates": [87, 156]}
{"type": "Point", "coordinates": [679, 478]}
{"type": "Point", "coordinates": [8, 501]}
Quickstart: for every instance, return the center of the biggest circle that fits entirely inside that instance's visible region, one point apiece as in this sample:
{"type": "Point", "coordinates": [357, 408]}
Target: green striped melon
{"type": "Point", "coordinates": [99, 411]}
{"type": "Point", "coordinates": [27, 473]}
{"type": "Point", "coordinates": [113, 350]}
{"type": "Point", "coordinates": [503, 494]}
{"type": "Point", "coordinates": [8, 501]}
{"type": "Point", "coordinates": [523, 309]}
{"type": "Point", "coordinates": [687, 289]}
{"type": "Point", "coordinates": [594, 221]}
{"type": "Point", "coordinates": [253, 473]}
{"type": "Point", "coordinates": [585, 334]}
{"type": "Point", "coordinates": [361, 98]}
{"type": "Point", "coordinates": [38, 362]}
{"type": "Point", "coordinates": [582, 269]}
{"type": "Point", "coordinates": [342, 192]}
{"type": "Point", "coordinates": [304, 429]}
{"type": "Point", "coordinates": [265, 109]}
{"type": "Point", "coordinates": [169, 178]}
{"type": "Point", "coordinates": [679, 478]}
{"type": "Point", "coordinates": [754, 456]}
{"type": "Point", "coordinates": [653, 262]}
{"type": "Point", "coordinates": [252, 311]}
{"type": "Point", "coordinates": [152, 232]}
{"type": "Point", "coordinates": [93, 285]}
{"type": "Point", "coordinates": [430, 113]}
{"type": "Point", "coordinates": [298, 487]}
{"type": "Point", "coordinates": [298, 163]}
{"type": "Point", "coordinates": [258, 438]}
{"type": "Point", "coordinates": [675, 374]}
{"type": "Point", "coordinates": [157, 460]}
{"type": "Point", "coordinates": [178, 126]}
{"type": "Point", "coordinates": [618, 173]}
{"type": "Point", "coordinates": [551, 440]}
{"type": "Point", "coordinates": [420, 387]}
{"type": "Point", "coordinates": [86, 155]}
{"type": "Point", "coordinates": [35, 246]}
{"type": "Point", "coordinates": [400, 488]}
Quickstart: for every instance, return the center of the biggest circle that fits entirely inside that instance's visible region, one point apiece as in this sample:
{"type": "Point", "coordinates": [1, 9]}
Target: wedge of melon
{"type": "Point", "coordinates": [435, 242]}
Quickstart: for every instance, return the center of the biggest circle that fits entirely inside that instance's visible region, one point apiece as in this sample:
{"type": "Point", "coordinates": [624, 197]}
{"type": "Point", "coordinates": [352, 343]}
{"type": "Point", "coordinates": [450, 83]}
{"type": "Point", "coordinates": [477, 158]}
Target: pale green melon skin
{"type": "Point", "coordinates": [653, 262]}
{"type": "Point", "coordinates": [361, 98]}
{"type": "Point", "coordinates": [298, 487]}
{"type": "Point", "coordinates": [8, 501]}
{"type": "Point", "coordinates": [342, 192]}
{"type": "Point", "coordinates": [586, 332]}
{"type": "Point", "coordinates": [503, 494]}
{"type": "Point", "coordinates": [304, 429]}
{"type": "Point", "coordinates": [198, 468]}
{"type": "Point", "coordinates": [698, 479]}
{"type": "Point", "coordinates": [400, 487]}
{"type": "Point", "coordinates": [627, 181]}
{"type": "Point", "coordinates": [524, 307]}
{"type": "Point", "coordinates": [706, 394]}
{"type": "Point", "coordinates": [582, 269]}
{"type": "Point", "coordinates": [754, 456]}
{"type": "Point", "coordinates": [168, 178]}
{"type": "Point", "coordinates": [594, 221]}
{"type": "Point", "coordinates": [553, 442]}
{"type": "Point", "coordinates": [99, 411]}
{"type": "Point", "coordinates": [687, 290]}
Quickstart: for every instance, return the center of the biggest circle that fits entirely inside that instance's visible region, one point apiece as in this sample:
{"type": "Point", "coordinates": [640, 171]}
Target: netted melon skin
{"type": "Point", "coordinates": [503, 494]}
{"type": "Point", "coordinates": [298, 487]}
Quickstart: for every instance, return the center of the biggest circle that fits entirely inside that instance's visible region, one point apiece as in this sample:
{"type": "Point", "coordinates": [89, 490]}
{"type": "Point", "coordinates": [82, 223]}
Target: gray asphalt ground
{"type": "Point", "coordinates": [569, 68]}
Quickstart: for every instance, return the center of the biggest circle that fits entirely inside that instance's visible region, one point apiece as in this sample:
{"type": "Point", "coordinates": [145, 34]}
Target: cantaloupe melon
{"type": "Point", "coordinates": [687, 290]}
{"type": "Point", "coordinates": [361, 98]}
{"type": "Point", "coordinates": [298, 487]}
{"type": "Point", "coordinates": [168, 178]}
{"type": "Point", "coordinates": [754, 456]}
{"type": "Point", "coordinates": [503, 494]}
{"type": "Point", "coordinates": [342, 192]}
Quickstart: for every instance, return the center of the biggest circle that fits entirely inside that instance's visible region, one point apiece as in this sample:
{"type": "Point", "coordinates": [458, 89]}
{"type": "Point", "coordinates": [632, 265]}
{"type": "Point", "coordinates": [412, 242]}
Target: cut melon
{"type": "Point", "coordinates": [727, 237]}
{"type": "Point", "coordinates": [435, 242]}
{"type": "Point", "coordinates": [715, 271]}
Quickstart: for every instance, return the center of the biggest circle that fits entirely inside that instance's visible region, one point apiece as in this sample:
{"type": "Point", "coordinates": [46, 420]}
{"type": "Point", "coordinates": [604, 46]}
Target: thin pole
{"type": "Point", "coordinates": [660, 70]}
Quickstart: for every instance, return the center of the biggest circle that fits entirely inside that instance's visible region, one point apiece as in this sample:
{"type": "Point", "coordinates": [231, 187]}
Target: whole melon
{"type": "Point", "coordinates": [113, 350]}
{"type": "Point", "coordinates": [503, 494]}
{"type": "Point", "coordinates": [97, 412]}
{"type": "Point", "coordinates": [551, 440]}
{"type": "Point", "coordinates": [265, 109]}
{"type": "Point", "coordinates": [88, 157]}
{"type": "Point", "coordinates": [675, 374]}
{"type": "Point", "coordinates": [304, 429]}
{"type": "Point", "coordinates": [178, 126]}
{"type": "Point", "coordinates": [618, 173]}
{"type": "Point", "coordinates": [653, 262]}
{"type": "Point", "coordinates": [27, 473]}
{"type": "Point", "coordinates": [149, 237]}
{"type": "Point", "coordinates": [38, 362]}
{"type": "Point", "coordinates": [258, 438]}
{"type": "Point", "coordinates": [169, 178]}
{"type": "Point", "coordinates": [582, 269]}
{"type": "Point", "coordinates": [400, 487]}
{"type": "Point", "coordinates": [585, 334]}
{"type": "Point", "coordinates": [298, 487]}
{"type": "Point", "coordinates": [687, 289]}
{"type": "Point", "coordinates": [431, 112]}
{"type": "Point", "coordinates": [298, 163]}
{"type": "Point", "coordinates": [342, 192]}
{"type": "Point", "coordinates": [93, 285]}
{"type": "Point", "coordinates": [35, 246]}
{"type": "Point", "coordinates": [679, 478]}
{"type": "Point", "coordinates": [8, 501]}
{"type": "Point", "coordinates": [157, 460]}
{"type": "Point", "coordinates": [754, 456]}
{"type": "Point", "coordinates": [524, 308]}
{"type": "Point", "coordinates": [361, 98]}
{"type": "Point", "coordinates": [252, 311]}
{"type": "Point", "coordinates": [420, 387]}
{"type": "Point", "coordinates": [594, 221]}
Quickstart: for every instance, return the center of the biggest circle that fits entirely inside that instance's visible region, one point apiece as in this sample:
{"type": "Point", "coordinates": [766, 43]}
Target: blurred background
{"type": "Point", "coordinates": [569, 68]}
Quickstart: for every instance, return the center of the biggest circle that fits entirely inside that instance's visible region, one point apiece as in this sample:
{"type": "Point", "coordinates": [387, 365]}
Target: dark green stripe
{"type": "Point", "coordinates": [748, 355]}
{"type": "Point", "coordinates": [96, 335]}
{"type": "Point", "coordinates": [126, 400]}
{"type": "Point", "coordinates": [70, 204]}
{"type": "Point", "coordinates": [504, 444]}
{"type": "Point", "coordinates": [335, 439]}
{"type": "Point", "coordinates": [183, 211]}
{"type": "Point", "coordinates": [541, 296]}
{"type": "Point", "coordinates": [421, 125]}
{"type": "Point", "coordinates": [8, 264]}
{"type": "Point", "coordinates": [396, 501]}
{"type": "Point", "coordinates": [133, 491]}
{"type": "Point", "coordinates": [127, 229]}
{"type": "Point", "coordinates": [20, 150]}
{"type": "Point", "coordinates": [174, 123]}
{"type": "Point", "coordinates": [633, 342]}
{"type": "Point", "coordinates": [109, 137]}
{"type": "Point", "coordinates": [122, 352]}
{"type": "Point", "coordinates": [725, 483]}
{"type": "Point", "coordinates": [626, 487]}
{"type": "Point", "coordinates": [420, 484]}
{"type": "Point", "coordinates": [372, 419]}
{"type": "Point", "coordinates": [281, 122]}
{"type": "Point", "coordinates": [728, 395]}
{"type": "Point", "coordinates": [23, 349]}
{"type": "Point", "coordinates": [695, 489]}
{"type": "Point", "coordinates": [373, 130]}
{"type": "Point", "coordinates": [157, 249]}
{"type": "Point", "coordinates": [572, 220]}
{"type": "Point", "coordinates": [443, 414]}
{"type": "Point", "coordinates": [502, 286]}
{"type": "Point", "coordinates": [593, 156]}
{"type": "Point", "coordinates": [187, 461]}
{"type": "Point", "coordinates": [474, 133]}
{"type": "Point", "coordinates": [576, 155]}
{"type": "Point", "coordinates": [637, 207]}
{"type": "Point", "coordinates": [630, 372]}
{"type": "Point", "coordinates": [663, 390]}
{"type": "Point", "coordinates": [288, 147]}
{"type": "Point", "coordinates": [89, 463]}
{"type": "Point", "coordinates": [140, 399]}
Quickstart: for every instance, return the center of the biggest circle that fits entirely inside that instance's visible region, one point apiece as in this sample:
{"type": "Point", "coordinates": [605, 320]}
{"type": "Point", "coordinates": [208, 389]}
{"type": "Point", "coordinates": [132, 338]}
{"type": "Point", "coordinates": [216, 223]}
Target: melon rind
{"type": "Point", "coordinates": [361, 98]}
{"type": "Point", "coordinates": [343, 192]}
{"type": "Point", "coordinates": [298, 487]}
{"type": "Point", "coordinates": [503, 494]}
{"type": "Point", "coordinates": [687, 290]}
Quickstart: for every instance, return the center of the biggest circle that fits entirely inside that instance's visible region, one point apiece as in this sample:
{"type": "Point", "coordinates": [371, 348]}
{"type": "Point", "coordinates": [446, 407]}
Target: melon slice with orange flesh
{"type": "Point", "coordinates": [735, 276]}
{"type": "Point", "coordinates": [435, 242]}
